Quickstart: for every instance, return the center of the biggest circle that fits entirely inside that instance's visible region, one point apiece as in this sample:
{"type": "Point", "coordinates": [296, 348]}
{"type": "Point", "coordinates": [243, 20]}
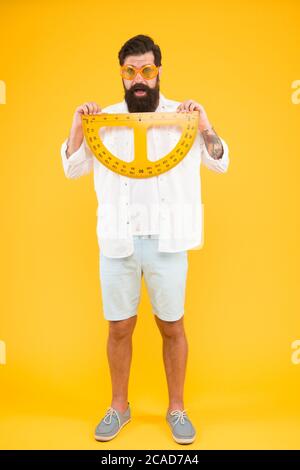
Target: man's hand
{"type": "Point", "coordinates": [191, 105]}
{"type": "Point", "coordinates": [76, 133]}
{"type": "Point", "coordinates": [87, 108]}
{"type": "Point", "coordinates": [212, 141]}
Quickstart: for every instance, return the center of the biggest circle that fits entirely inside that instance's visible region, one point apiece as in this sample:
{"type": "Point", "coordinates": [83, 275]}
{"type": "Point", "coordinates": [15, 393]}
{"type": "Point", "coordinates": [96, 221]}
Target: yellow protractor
{"type": "Point", "coordinates": [141, 166]}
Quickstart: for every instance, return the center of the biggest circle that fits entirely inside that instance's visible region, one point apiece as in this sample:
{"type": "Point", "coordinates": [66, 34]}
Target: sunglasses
{"type": "Point", "coordinates": [129, 72]}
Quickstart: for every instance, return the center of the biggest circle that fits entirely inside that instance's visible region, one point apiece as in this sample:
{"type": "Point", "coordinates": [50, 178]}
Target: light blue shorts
{"type": "Point", "coordinates": [165, 277]}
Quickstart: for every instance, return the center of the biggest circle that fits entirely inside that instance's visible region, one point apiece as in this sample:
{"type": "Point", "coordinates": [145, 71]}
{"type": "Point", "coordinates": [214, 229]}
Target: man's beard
{"type": "Point", "coordinates": [142, 104]}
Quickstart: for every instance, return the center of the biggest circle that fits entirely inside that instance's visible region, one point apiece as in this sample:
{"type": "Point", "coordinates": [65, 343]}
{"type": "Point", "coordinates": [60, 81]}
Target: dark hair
{"type": "Point", "coordinates": [139, 45]}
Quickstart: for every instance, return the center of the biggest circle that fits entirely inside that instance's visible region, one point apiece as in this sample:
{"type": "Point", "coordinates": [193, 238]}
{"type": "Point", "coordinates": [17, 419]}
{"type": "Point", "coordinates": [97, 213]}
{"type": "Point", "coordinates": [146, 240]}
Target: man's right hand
{"type": "Point", "coordinates": [76, 133]}
{"type": "Point", "coordinates": [87, 108]}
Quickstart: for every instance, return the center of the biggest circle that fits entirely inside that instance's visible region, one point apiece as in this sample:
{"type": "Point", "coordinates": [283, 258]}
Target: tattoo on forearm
{"type": "Point", "coordinates": [213, 143]}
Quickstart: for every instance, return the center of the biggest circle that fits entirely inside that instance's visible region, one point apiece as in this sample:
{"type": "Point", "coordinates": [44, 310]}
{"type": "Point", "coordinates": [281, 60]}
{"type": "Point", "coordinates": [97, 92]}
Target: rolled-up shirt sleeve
{"type": "Point", "coordinates": [79, 163]}
{"type": "Point", "coordinates": [219, 165]}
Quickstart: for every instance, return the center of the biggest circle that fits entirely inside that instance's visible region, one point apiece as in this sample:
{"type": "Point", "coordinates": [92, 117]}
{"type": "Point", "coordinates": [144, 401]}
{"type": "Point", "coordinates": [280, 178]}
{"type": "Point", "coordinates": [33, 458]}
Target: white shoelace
{"type": "Point", "coordinates": [109, 414]}
{"type": "Point", "coordinates": [181, 415]}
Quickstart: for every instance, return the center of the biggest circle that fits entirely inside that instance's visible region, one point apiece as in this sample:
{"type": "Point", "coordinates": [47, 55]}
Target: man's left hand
{"type": "Point", "coordinates": [191, 105]}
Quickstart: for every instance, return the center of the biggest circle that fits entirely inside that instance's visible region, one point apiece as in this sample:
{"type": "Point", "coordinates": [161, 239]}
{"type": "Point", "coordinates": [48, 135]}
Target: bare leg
{"type": "Point", "coordinates": [175, 353]}
{"type": "Point", "coordinates": [119, 352]}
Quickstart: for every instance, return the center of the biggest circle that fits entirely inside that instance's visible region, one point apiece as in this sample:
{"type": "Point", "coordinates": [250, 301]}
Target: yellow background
{"type": "Point", "coordinates": [238, 59]}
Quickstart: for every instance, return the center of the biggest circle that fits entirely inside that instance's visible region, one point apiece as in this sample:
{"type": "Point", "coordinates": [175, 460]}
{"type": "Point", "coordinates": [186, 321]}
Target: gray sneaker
{"type": "Point", "coordinates": [112, 424]}
{"type": "Point", "coordinates": [182, 429]}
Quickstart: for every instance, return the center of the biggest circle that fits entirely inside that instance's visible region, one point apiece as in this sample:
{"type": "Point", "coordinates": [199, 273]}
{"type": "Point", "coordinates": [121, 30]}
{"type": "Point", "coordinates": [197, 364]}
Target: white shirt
{"type": "Point", "coordinates": [144, 206]}
{"type": "Point", "coordinates": [174, 196]}
{"type": "Point", "coordinates": [144, 198]}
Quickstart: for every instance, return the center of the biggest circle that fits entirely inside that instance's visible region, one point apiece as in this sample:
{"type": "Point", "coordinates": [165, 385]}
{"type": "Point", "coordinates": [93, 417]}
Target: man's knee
{"type": "Point", "coordinates": [122, 329]}
{"type": "Point", "coordinates": [170, 329]}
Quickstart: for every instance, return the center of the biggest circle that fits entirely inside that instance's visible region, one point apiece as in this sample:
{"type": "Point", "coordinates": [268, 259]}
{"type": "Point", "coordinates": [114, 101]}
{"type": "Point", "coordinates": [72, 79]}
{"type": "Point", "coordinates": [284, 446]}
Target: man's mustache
{"type": "Point", "coordinates": [139, 87]}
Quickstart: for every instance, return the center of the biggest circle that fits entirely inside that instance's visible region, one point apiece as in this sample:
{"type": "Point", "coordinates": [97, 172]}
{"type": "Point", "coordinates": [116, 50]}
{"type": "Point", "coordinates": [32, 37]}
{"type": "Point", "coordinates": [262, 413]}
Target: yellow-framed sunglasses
{"type": "Point", "coordinates": [148, 72]}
